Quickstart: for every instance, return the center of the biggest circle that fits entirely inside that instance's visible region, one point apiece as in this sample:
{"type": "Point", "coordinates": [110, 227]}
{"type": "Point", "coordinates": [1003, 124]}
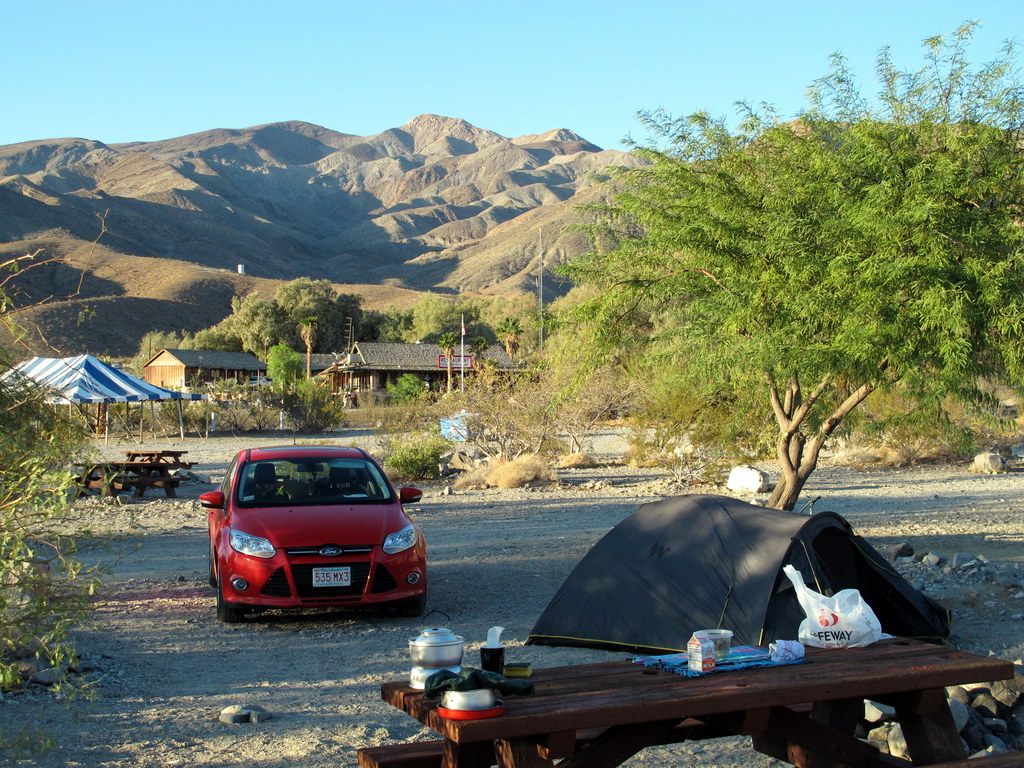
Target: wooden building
{"type": "Point", "coordinates": [184, 368]}
{"type": "Point", "coordinates": [371, 366]}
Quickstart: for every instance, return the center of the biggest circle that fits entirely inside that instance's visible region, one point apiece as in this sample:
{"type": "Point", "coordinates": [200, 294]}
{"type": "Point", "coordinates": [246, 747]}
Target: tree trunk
{"type": "Point", "coordinates": [798, 458]}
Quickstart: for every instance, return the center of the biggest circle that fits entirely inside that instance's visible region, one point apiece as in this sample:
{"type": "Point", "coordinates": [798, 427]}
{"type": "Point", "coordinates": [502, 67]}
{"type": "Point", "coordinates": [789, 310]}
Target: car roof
{"type": "Point", "coordinates": [272, 452]}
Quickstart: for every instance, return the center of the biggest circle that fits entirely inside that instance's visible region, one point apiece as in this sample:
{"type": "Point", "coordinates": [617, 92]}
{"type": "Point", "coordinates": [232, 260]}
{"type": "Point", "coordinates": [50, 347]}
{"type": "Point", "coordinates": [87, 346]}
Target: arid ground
{"type": "Point", "coordinates": [164, 668]}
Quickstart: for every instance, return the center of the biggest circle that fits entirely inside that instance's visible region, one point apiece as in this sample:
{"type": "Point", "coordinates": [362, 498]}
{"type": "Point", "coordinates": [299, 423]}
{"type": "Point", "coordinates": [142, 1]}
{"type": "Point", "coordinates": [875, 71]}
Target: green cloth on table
{"type": "Point", "coordinates": [469, 679]}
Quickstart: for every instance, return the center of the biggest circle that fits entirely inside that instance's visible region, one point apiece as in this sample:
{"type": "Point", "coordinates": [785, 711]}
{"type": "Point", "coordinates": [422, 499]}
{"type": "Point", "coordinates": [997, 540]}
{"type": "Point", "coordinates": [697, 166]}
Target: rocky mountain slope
{"type": "Point", "coordinates": [436, 204]}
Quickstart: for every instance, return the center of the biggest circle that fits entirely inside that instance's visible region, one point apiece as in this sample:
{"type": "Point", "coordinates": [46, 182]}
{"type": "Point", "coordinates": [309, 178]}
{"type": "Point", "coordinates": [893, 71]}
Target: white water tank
{"type": "Point", "coordinates": [241, 269]}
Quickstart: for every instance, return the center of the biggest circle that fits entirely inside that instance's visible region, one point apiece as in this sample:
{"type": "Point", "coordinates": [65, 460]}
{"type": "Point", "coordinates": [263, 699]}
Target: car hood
{"type": "Point", "coordinates": [306, 526]}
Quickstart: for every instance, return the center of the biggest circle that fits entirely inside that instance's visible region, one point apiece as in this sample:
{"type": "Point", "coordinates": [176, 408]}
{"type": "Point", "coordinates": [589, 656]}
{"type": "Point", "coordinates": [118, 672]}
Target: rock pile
{"type": "Point", "coordinates": [988, 716]}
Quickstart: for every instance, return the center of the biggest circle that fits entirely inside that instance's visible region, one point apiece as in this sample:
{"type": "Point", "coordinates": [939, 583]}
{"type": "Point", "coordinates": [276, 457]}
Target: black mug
{"type": "Point", "coordinates": [492, 659]}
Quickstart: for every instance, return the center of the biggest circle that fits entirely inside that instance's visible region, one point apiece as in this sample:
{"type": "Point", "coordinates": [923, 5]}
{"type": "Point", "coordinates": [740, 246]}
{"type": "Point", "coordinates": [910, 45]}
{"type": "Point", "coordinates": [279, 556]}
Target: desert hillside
{"type": "Point", "coordinates": [434, 205]}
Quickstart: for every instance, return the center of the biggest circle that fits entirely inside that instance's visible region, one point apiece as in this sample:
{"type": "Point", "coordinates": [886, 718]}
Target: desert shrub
{"type": "Point", "coordinates": [476, 478]}
{"type": "Point", "coordinates": [511, 417]}
{"type": "Point", "coordinates": [685, 463]}
{"type": "Point", "coordinates": [310, 407]}
{"type": "Point", "coordinates": [240, 408]}
{"type": "Point", "coordinates": [44, 590]}
{"type": "Point", "coordinates": [577, 461]}
{"type": "Point", "coordinates": [521, 471]}
{"type": "Point", "coordinates": [193, 416]}
{"type": "Point", "coordinates": [416, 457]}
{"type": "Point", "coordinates": [893, 431]}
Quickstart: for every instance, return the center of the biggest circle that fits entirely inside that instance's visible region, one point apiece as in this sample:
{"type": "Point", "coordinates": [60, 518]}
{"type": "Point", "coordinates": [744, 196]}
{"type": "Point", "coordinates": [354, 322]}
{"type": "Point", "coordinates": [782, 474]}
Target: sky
{"type": "Point", "coordinates": [139, 70]}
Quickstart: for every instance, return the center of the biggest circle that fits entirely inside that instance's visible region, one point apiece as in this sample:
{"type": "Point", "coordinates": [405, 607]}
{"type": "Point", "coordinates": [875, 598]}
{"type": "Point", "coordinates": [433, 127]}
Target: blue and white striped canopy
{"type": "Point", "coordinates": [84, 379]}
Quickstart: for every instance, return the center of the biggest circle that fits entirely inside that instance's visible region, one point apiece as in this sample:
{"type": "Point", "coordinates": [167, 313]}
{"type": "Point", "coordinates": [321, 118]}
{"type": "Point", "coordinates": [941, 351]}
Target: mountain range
{"type": "Point", "coordinates": [160, 235]}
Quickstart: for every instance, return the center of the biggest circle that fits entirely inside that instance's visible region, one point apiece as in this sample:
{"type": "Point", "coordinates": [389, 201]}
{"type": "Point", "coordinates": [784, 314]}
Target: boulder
{"type": "Point", "coordinates": [988, 464]}
{"type": "Point", "coordinates": [747, 479]}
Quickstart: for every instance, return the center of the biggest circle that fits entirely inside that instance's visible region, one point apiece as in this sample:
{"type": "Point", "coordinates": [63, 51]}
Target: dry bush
{"type": "Point", "coordinates": [519, 472]}
{"type": "Point", "coordinates": [577, 461]}
{"type": "Point", "coordinates": [638, 456]}
{"type": "Point", "coordinates": [471, 480]}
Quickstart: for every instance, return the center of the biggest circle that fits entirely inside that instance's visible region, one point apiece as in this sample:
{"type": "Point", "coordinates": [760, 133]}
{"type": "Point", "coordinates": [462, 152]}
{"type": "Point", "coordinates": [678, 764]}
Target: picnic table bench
{"type": "Point", "coordinates": [140, 470]}
{"type": "Point", "coordinates": [804, 714]}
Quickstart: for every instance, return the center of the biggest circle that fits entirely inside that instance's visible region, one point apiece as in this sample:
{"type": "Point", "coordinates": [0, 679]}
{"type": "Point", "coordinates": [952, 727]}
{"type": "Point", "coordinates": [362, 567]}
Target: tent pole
{"type": "Point", "coordinates": [106, 424]}
{"type": "Point", "coordinates": [181, 420]}
{"type": "Point", "coordinates": [206, 415]}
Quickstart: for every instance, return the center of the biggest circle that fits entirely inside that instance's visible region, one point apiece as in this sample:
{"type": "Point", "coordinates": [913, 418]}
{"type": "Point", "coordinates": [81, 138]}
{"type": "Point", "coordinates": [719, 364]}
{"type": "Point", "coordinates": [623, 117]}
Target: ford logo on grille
{"type": "Point", "coordinates": [330, 551]}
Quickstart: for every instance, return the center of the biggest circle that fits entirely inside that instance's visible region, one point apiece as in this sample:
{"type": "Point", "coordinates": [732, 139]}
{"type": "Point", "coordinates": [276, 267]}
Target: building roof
{"type": "Point", "coordinates": [393, 356]}
{"type": "Point", "coordinates": [320, 361]}
{"type": "Point", "coordinates": [210, 359]}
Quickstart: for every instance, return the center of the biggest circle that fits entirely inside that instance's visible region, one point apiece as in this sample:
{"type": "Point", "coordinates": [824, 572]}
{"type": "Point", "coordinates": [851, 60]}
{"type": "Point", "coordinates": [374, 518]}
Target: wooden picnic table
{"type": "Point", "coordinates": [141, 470]}
{"type": "Point", "coordinates": [805, 714]}
{"type": "Point", "coordinates": [157, 457]}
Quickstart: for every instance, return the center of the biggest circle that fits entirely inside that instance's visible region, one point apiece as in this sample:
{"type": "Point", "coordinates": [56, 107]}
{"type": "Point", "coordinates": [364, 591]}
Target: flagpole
{"type": "Point", "coordinates": [462, 354]}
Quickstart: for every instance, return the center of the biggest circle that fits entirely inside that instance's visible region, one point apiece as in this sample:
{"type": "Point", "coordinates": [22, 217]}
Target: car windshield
{"type": "Point", "coordinates": [302, 481]}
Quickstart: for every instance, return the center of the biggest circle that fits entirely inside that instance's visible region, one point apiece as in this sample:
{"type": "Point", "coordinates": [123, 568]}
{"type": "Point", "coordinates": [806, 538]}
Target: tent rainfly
{"type": "Point", "coordinates": [702, 562]}
{"type": "Point", "coordinates": [84, 379]}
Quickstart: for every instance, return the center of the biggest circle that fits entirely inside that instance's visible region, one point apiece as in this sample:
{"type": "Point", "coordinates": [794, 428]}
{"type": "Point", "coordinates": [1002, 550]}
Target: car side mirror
{"type": "Point", "coordinates": [408, 494]}
{"type": "Point", "coordinates": [212, 499]}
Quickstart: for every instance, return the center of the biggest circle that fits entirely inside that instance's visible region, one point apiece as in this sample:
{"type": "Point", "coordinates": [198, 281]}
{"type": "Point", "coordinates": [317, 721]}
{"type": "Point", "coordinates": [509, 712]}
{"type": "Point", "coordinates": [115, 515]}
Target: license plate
{"type": "Point", "coordinates": [332, 577]}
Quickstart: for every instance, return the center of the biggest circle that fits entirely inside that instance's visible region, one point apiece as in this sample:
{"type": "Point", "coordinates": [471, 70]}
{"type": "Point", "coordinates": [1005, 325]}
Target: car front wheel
{"type": "Point", "coordinates": [213, 569]}
{"type": "Point", "coordinates": [228, 612]}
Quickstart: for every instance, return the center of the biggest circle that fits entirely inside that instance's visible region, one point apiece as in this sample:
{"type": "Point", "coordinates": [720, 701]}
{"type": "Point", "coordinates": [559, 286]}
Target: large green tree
{"type": "Point", "coordinates": [259, 323]}
{"type": "Point", "coordinates": [789, 269]}
{"type": "Point", "coordinates": [304, 298]}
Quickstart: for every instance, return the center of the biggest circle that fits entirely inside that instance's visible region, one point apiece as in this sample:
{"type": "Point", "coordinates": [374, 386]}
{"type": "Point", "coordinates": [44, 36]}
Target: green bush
{"type": "Point", "coordinates": [416, 457]}
{"type": "Point", "coordinates": [409, 388]}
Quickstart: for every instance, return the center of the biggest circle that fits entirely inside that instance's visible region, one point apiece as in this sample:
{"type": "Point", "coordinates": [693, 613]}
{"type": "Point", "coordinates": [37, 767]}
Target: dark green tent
{"type": "Point", "coordinates": [700, 562]}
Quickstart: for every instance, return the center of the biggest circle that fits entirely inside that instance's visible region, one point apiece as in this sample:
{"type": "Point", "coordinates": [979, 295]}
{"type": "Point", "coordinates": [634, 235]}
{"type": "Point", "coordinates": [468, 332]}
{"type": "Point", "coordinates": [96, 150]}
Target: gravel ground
{"type": "Point", "coordinates": [164, 668]}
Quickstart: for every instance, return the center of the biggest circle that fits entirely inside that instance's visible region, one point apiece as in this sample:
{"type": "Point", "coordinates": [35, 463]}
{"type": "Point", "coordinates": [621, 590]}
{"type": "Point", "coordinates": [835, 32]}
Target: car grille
{"type": "Point", "coordinates": [277, 585]}
{"type": "Point", "coordinates": [383, 581]}
{"type": "Point", "coordinates": [314, 550]}
{"type": "Point", "coordinates": [303, 576]}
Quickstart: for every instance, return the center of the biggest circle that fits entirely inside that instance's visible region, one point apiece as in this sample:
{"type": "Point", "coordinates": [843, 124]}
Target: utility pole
{"type": "Point", "coordinates": [540, 289]}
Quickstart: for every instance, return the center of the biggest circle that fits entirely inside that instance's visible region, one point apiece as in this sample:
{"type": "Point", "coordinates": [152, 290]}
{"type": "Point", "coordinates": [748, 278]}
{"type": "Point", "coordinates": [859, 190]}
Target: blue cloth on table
{"type": "Point", "coordinates": [740, 657]}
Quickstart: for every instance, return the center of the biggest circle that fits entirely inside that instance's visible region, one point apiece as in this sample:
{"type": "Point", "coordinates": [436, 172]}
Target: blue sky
{"type": "Point", "coordinates": [139, 70]}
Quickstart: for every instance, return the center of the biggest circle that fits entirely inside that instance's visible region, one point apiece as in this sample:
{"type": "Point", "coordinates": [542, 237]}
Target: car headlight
{"type": "Point", "coordinates": [401, 541]}
{"type": "Point", "coordinates": [251, 545]}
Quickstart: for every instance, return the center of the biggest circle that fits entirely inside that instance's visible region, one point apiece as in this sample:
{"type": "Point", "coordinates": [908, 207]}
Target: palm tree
{"type": "Point", "coordinates": [509, 330]}
{"type": "Point", "coordinates": [446, 341]}
{"type": "Point", "coordinates": [307, 330]}
{"type": "Point", "coordinates": [477, 346]}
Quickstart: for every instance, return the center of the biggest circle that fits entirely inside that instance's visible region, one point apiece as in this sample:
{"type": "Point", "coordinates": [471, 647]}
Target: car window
{"type": "Point", "coordinates": [306, 481]}
{"type": "Point", "coordinates": [229, 478]}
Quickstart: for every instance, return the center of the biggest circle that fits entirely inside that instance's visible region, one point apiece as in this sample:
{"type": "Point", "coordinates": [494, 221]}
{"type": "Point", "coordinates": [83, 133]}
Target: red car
{"type": "Point", "coordinates": [313, 526]}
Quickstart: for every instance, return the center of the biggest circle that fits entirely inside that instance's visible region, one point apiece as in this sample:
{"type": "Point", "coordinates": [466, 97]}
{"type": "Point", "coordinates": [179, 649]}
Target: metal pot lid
{"type": "Point", "coordinates": [436, 636]}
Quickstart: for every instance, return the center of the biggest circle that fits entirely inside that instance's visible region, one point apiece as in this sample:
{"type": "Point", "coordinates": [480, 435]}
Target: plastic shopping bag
{"type": "Point", "coordinates": [841, 621]}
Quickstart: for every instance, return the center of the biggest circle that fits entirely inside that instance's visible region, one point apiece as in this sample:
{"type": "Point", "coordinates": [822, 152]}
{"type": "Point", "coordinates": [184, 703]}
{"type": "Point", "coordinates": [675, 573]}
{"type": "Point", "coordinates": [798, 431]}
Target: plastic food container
{"type": "Point", "coordinates": [722, 638]}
